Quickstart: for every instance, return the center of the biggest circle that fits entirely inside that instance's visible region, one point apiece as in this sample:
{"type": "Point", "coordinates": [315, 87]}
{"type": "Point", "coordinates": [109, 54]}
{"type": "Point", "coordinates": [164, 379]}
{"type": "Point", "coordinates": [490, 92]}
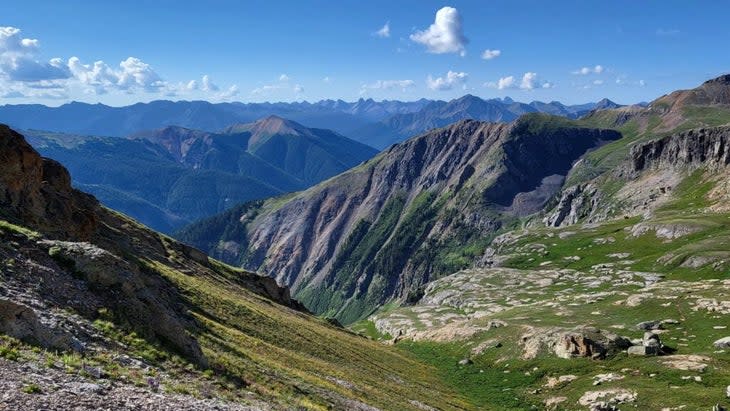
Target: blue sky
{"type": "Point", "coordinates": [118, 53]}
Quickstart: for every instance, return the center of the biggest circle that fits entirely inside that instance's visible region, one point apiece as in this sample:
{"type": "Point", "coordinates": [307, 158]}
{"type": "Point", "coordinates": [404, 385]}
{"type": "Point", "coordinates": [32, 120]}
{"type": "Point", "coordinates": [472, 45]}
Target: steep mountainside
{"type": "Point", "coordinates": [169, 177]}
{"type": "Point", "coordinates": [419, 210]}
{"type": "Point", "coordinates": [133, 319]}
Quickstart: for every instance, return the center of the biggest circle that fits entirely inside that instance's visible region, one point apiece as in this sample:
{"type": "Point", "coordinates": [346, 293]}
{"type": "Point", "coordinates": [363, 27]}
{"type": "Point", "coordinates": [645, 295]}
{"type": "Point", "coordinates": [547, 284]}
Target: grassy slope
{"type": "Point", "coordinates": [499, 379]}
{"type": "Point", "coordinates": [285, 357]}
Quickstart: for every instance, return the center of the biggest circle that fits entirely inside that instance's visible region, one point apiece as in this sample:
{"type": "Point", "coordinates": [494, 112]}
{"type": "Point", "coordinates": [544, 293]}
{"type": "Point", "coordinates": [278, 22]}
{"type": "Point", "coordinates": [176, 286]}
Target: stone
{"type": "Point", "coordinates": [649, 325]}
{"type": "Point", "coordinates": [642, 350]}
{"type": "Point", "coordinates": [466, 361]}
{"type": "Point", "coordinates": [722, 343]}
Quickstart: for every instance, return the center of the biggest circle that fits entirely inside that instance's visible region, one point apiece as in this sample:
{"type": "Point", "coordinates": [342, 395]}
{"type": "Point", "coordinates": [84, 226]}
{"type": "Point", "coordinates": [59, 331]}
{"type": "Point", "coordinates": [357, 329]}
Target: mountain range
{"type": "Point", "coordinates": [542, 263]}
{"type": "Point", "coordinates": [169, 177]}
{"type": "Point", "coordinates": [375, 123]}
{"type": "Point", "coordinates": [429, 206]}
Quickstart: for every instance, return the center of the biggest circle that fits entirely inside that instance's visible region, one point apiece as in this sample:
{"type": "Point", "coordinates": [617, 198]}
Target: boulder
{"type": "Point", "coordinates": [641, 350]}
{"type": "Point", "coordinates": [649, 325]}
{"type": "Point", "coordinates": [722, 343]}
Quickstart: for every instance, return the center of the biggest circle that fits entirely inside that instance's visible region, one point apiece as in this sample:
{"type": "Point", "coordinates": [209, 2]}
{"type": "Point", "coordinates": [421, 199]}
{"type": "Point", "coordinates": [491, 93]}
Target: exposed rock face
{"type": "Point", "coordinates": [575, 203]}
{"type": "Point", "coordinates": [375, 232]}
{"type": "Point", "coordinates": [38, 191]}
{"type": "Point", "coordinates": [699, 147]}
{"type": "Point", "coordinates": [581, 342]}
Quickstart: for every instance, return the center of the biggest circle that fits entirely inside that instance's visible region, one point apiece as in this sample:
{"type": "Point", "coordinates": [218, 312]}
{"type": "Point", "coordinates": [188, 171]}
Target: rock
{"type": "Point", "coordinates": [722, 343]}
{"type": "Point", "coordinates": [553, 402]}
{"type": "Point", "coordinates": [727, 391]}
{"type": "Point", "coordinates": [651, 340]}
{"type": "Point", "coordinates": [553, 382]}
{"type": "Point", "coordinates": [686, 362]}
{"type": "Point", "coordinates": [580, 342]}
{"type": "Point", "coordinates": [649, 325]}
{"type": "Point", "coordinates": [466, 361]}
{"type": "Point", "coordinates": [609, 377]}
{"type": "Point", "coordinates": [642, 350]}
{"type": "Point", "coordinates": [82, 388]}
{"type": "Point", "coordinates": [20, 321]}
{"type": "Point", "coordinates": [606, 399]}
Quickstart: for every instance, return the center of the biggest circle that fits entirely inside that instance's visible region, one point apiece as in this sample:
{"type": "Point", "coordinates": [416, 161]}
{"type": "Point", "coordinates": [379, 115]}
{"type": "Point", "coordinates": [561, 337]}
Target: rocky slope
{"type": "Point", "coordinates": [383, 229]}
{"type": "Point", "coordinates": [89, 293]}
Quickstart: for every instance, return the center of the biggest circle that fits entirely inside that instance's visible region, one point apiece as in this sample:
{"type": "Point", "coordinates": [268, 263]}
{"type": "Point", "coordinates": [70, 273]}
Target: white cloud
{"type": "Point", "coordinates": [447, 82]}
{"type": "Point", "coordinates": [403, 85]}
{"type": "Point", "coordinates": [19, 59]}
{"type": "Point", "coordinates": [503, 83]}
{"type": "Point", "coordinates": [383, 32]}
{"type": "Point", "coordinates": [132, 74]}
{"type": "Point", "coordinates": [282, 84]}
{"type": "Point", "coordinates": [491, 54]}
{"type": "Point", "coordinates": [229, 93]}
{"type": "Point", "coordinates": [529, 81]}
{"type": "Point", "coordinates": [209, 85]}
{"type": "Point", "coordinates": [642, 83]}
{"type": "Point", "coordinates": [597, 82]}
{"type": "Point", "coordinates": [326, 80]}
{"type": "Point", "coordinates": [597, 69]}
{"type": "Point", "coordinates": [445, 35]}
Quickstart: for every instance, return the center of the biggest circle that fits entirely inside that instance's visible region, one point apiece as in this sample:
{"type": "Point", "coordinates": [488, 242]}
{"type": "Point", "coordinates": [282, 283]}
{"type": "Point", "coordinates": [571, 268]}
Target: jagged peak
{"type": "Point", "coordinates": [723, 80]}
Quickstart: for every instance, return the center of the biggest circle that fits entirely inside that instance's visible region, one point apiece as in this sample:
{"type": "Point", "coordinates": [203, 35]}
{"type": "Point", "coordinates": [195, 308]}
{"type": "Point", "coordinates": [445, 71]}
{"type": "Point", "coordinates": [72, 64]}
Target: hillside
{"type": "Point", "coordinates": [120, 316]}
{"type": "Point", "coordinates": [417, 211]}
{"type": "Point", "coordinates": [170, 177]}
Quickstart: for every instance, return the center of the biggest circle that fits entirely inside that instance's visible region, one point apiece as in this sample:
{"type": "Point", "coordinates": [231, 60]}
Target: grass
{"type": "Point", "coordinates": [31, 389]}
{"type": "Point", "coordinates": [262, 344]}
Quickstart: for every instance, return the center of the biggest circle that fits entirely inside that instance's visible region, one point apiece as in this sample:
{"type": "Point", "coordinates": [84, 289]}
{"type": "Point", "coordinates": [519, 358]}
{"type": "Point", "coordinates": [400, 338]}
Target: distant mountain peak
{"type": "Point", "coordinates": [277, 125]}
{"type": "Point", "coordinates": [722, 80]}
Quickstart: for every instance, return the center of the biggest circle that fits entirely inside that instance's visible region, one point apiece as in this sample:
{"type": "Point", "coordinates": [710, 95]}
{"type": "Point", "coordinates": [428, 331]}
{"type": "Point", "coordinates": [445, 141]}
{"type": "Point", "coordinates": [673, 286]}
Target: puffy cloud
{"type": "Point", "coordinates": [403, 85]}
{"type": "Point", "coordinates": [19, 62]}
{"type": "Point", "coordinates": [597, 69]}
{"type": "Point", "coordinates": [131, 75]}
{"type": "Point", "coordinates": [208, 85]}
{"type": "Point", "coordinates": [445, 35]}
{"type": "Point", "coordinates": [529, 81]}
{"type": "Point", "coordinates": [597, 82]}
{"type": "Point", "coordinates": [326, 80]}
{"type": "Point", "coordinates": [229, 93]}
{"type": "Point", "coordinates": [298, 89]}
{"type": "Point", "coordinates": [447, 82]}
{"type": "Point", "coordinates": [383, 32]}
{"type": "Point", "coordinates": [491, 54]}
{"type": "Point", "coordinates": [283, 78]}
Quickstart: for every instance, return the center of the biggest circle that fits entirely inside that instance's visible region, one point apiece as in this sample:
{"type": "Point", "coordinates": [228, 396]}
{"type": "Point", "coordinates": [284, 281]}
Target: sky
{"type": "Point", "coordinates": [123, 52]}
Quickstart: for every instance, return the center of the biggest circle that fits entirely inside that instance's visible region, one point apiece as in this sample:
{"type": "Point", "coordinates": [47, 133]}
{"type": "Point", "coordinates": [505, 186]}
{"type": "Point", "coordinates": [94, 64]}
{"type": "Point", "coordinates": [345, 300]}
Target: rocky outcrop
{"type": "Point", "coordinates": [38, 192]}
{"type": "Point", "coordinates": [377, 232]}
{"type": "Point", "coordinates": [581, 342]}
{"type": "Point", "coordinates": [706, 147]}
{"type": "Point", "coordinates": [576, 203]}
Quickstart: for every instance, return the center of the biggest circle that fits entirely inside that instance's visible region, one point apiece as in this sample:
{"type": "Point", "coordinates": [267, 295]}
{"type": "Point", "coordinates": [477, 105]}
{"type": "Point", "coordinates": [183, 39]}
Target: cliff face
{"type": "Point", "coordinates": [410, 215]}
{"type": "Point", "coordinates": [699, 147]}
{"type": "Point", "coordinates": [38, 191]}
